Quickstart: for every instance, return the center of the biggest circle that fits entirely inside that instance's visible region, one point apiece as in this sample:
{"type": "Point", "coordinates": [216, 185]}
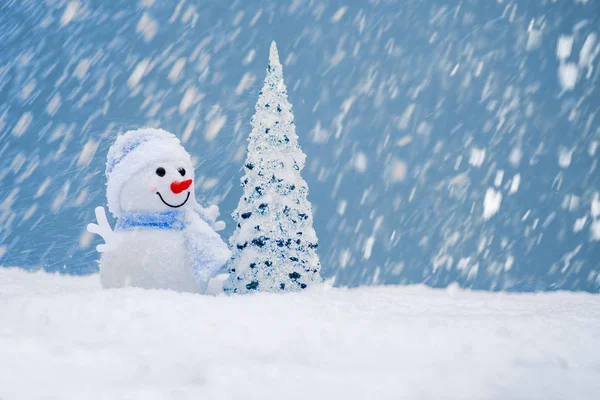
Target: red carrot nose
{"type": "Point", "coordinates": [178, 187]}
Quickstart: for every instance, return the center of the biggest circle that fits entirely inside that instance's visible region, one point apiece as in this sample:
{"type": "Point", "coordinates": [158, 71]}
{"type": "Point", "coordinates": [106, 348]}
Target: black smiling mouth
{"type": "Point", "coordinates": [171, 205]}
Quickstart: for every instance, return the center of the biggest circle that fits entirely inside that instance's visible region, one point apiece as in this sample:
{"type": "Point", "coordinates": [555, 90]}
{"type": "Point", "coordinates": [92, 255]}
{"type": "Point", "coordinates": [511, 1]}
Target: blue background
{"type": "Point", "coordinates": [476, 74]}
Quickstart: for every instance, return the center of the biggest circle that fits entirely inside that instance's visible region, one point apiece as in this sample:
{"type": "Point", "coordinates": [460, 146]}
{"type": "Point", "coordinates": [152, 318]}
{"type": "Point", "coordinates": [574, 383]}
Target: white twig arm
{"type": "Point", "coordinates": [210, 215]}
{"type": "Point", "coordinates": [103, 229]}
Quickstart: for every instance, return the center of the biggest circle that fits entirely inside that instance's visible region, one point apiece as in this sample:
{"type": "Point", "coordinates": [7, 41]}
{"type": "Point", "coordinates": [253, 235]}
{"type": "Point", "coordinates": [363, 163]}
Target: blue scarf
{"type": "Point", "coordinates": [168, 220]}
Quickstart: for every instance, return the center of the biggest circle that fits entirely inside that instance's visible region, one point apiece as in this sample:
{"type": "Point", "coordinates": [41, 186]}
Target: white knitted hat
{"type": "Point", "coordinates": [133, 151]}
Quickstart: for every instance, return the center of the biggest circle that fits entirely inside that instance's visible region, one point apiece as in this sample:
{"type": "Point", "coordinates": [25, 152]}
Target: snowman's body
{"type": "Point", "coordinates": [163, 239]}
{"type": "Point", "coordinates": [150, 259]}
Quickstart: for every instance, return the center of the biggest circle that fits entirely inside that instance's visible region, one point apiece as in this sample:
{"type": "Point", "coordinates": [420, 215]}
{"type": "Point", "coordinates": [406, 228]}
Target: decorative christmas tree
{"type": "Point", "coordinates": [274, 244]}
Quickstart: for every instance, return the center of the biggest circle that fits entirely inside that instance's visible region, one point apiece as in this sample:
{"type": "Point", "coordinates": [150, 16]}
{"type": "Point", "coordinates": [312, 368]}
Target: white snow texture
{"type": "Point", "coordinates": [65, 338]}
{"type": "Point", "coordinates": [274, 245]}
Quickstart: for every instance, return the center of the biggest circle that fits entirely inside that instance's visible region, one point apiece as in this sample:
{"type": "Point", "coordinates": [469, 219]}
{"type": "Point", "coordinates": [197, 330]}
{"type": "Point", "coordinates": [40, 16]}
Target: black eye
{"type": "Point", "coordinates": [181, 171]}
{"type": "Point", "coordinates": [160, 171]}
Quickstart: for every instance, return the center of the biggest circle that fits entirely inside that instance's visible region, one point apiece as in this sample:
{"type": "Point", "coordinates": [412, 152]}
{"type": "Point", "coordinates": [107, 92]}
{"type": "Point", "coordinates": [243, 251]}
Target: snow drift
{"type": "Point", "coordinates": [65, 338]}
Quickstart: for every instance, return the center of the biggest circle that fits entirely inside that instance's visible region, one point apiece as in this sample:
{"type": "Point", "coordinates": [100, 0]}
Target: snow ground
{"type": "Point", "coordinates": [65, 338]}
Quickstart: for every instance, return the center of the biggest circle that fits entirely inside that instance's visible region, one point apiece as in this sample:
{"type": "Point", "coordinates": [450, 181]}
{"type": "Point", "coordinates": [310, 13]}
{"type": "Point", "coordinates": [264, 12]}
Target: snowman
{"type": "Point", "coordinates": [163, 238]}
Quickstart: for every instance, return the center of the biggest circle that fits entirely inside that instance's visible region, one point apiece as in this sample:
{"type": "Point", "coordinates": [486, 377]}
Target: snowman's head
{"type": "Point", "coordinates": [162, 186]}
{"type": "Point", "coordinates": [149, 171]}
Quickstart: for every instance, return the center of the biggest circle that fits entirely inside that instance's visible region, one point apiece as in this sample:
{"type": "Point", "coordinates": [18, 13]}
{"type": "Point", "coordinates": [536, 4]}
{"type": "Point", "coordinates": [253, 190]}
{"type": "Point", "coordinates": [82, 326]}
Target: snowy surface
{"type": "Point", "coordinates": [65, 338]}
